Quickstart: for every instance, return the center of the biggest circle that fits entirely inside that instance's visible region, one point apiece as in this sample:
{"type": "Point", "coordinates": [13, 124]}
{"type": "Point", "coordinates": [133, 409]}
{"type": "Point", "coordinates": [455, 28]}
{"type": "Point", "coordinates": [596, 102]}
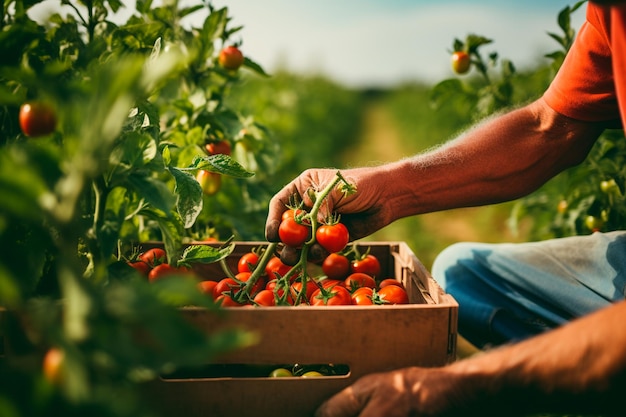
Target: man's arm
{"type": "Point", "coordinates": [578, 368]}
{"type": "Point", "coordinates": [503, 158]}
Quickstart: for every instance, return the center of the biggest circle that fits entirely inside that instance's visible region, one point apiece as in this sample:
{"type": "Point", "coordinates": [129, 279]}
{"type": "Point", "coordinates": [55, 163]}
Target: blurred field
{"type": "Point", "coordinates": [401, 123]}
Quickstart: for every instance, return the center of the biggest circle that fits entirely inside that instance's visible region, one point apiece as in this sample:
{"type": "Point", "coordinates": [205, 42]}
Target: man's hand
{"type": "Point", "coordinates": [363, 212]}
{"type": "Point", "coordinates": [401, 393]}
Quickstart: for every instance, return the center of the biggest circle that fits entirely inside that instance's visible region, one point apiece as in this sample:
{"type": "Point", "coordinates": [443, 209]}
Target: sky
{"type": "Point", "coordinates": [368, 43]}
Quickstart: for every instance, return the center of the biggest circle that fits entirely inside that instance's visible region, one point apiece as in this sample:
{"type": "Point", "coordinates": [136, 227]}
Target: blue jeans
{"type": "Point", "coordinates": [508, 292]}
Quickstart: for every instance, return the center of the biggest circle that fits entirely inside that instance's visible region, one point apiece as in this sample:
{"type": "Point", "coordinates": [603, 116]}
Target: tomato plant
{"type": "Point", "coordinates": [332, 237]}
{"type": "Point", "coordinates": [37, 119]}
{"type": "Point", "coordinates": [130, 101]}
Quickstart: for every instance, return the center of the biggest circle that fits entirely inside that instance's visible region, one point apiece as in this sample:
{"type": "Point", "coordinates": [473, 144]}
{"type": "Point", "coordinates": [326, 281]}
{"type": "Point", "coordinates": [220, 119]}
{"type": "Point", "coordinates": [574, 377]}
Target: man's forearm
{"type": "Point", "coordinates": [501, 159]}
{"type": "Point", "coordinates": [580, 367]}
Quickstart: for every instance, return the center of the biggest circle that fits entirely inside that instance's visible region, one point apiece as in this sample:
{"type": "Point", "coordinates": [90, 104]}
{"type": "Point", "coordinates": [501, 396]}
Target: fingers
{"type": "Point", "coordinates": [343, 404]}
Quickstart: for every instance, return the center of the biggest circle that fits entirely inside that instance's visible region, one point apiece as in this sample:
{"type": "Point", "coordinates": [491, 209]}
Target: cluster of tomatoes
{"type": "Point", "coordinates": [295, 230]}
{"type": "Point", "coordinates": [153, 265]}
{"type": "Point", "coordinates": [341, 281]}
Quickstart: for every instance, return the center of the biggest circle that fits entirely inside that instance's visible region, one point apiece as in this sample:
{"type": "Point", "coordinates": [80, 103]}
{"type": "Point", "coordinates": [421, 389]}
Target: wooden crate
{"type": "Point", "coordinates": [365, 339]}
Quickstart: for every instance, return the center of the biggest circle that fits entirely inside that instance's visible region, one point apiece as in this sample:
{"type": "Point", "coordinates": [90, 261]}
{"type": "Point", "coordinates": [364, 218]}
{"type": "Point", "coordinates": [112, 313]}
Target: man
{"type": "Point", "coordinates": [565, 303]}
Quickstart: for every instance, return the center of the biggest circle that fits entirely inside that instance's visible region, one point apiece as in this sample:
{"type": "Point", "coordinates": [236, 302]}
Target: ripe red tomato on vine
{"type": "Point", "coordinates": [37, 119]}
{"type": "Point", "coordinates": [247, 262]}
{"type": "Point", "coordinates": [332, 237]}
{"type": "Point", "coordinates": [231, 57]}
{"type": "Point", "coordinates": [293, 233]}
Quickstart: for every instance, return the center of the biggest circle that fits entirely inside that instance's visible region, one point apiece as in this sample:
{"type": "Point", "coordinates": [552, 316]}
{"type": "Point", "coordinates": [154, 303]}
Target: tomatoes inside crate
{"type": "Point", "coordinates": [354, 340]}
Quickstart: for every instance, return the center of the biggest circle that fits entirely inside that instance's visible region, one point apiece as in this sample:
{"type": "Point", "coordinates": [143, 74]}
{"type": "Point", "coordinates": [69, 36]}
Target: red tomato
{"type": "Point", "coordinates": [153, 257]}
{"type": "Point", "coordinates": [225, 285]}
{"type": "Point", "coordinates": [210, 182]}
{"type": "Point", "coordinates": [206, 287]}
{"type": "Point", "coordinates": [37, 119]}
{"type": "Point", "coordinates": [333, 296]}
{"type": "Point", "coordinates": [276, 266]}
{"type": "Point", "coordinates": [225, 300]}
{"type": "Point", "coordinates": [296, 288]}
{"type": "Point", "coordinates": [272, 285]}
{"type": "Point", "coordinates": [368, 264]}
{"type": "Point", "coordinates": [163, 271]}
{"type": "Point", "coordinates": [247, 261]}
{"type": "Point", "coordinates": [392, 294]}
{"type": "Point", "coordinates": [141, 267]}
{"type": "Point", "coordinates": [292, 233]}
{"type": "Point", "coordinates": [358, 280]}
{"type": "Point", "coordinates": [390, 281]}
{"type": "Point", "coordinates": [336, 266]}
{"type": "Point", "coordinates": [265, 298]}
{"type": "Point", "coordinates": [256, 287]}
{"type": "Point", "coordinates": [52, 365]}
{"type": "Point", "coordinates": [332, 237]}
{"type": "Point", "coordinates": [293, 213]}
{"type": "Point", "coordinates": [215, 148]}
{"type": "Point", "coordinates": [460, 62]}
{"type": "Point", "coordinates": [231, 58]}
{"type": "Point", "coordinates": [362, 296]}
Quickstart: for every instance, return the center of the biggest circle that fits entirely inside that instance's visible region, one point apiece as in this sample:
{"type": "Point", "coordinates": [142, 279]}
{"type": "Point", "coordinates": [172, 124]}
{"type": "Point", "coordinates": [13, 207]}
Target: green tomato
{"type": "Point", "coordinates": [609, 186]}
{"type": "Point", "coordinates": [280, 373]}
{"type": "Point", "coordinates": [311, 374]}
{"type": "Point", "coordinates": [593, 223]}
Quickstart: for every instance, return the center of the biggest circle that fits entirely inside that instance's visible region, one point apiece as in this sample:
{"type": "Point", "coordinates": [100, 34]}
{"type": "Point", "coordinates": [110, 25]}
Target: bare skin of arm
{"type": "Point", "coordinates": [503, 158]}
{"type": "Point", "coordinates": [578, 368]}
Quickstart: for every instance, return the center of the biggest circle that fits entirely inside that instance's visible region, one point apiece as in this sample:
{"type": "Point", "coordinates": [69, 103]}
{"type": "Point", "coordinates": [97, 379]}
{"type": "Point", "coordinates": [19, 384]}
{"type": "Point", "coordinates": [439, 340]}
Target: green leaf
{"type": "Point", "coordinates": [248, 63]}
{"type": "Point", "coordinates": [205, 254]}
{"type": "Point", "coordinates": [222, 164]}
{"type": "Point", "coordinates": [189, 203]}
{"type": "Point", "coordinates": [134, 150]}
{"type": "Point", "coordinates": [214, 25]}
{"type": "Point", "coordinates": [444, 90]}
{"type": "Point", "coordinates": [153, 191]}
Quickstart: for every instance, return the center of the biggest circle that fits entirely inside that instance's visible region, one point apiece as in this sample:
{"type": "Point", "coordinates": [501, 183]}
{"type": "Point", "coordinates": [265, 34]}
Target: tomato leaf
{"type": "Point", "coordinates": [222, 164]}
{"type": "Point", "coordinates": [189, 203]}
{"type": "Point", "coordinates": [153, 191]}
{"type": "Point", "coordinates": [204, 254]}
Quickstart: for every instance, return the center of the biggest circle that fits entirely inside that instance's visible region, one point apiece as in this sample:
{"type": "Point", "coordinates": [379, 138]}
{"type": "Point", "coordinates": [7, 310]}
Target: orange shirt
{"type": "Point", "coordinates": [591, 84]}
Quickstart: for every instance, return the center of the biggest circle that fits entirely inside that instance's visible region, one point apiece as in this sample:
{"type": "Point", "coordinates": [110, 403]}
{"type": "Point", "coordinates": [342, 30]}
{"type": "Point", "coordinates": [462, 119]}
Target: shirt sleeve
{"type": "Point", "coordinates": [583, 89]}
